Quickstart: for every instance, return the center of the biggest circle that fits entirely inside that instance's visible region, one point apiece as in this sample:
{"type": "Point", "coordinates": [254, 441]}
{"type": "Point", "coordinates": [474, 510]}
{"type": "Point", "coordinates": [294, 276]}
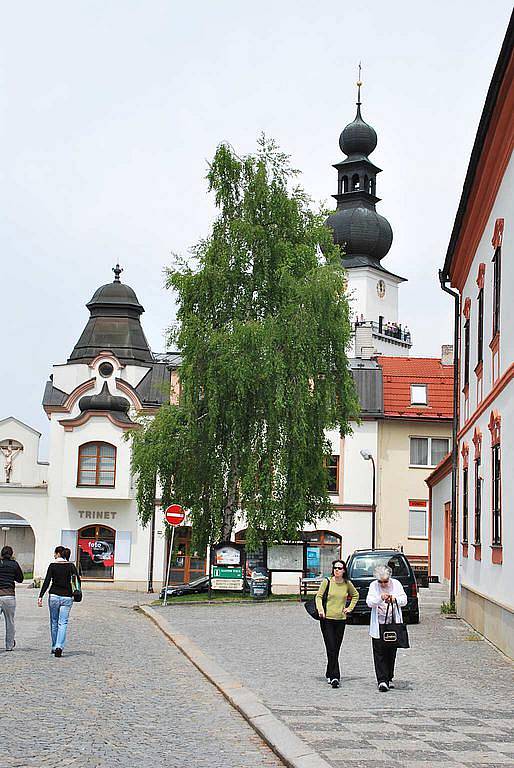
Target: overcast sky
{"type": "Point", "coordinates": [110, 111]}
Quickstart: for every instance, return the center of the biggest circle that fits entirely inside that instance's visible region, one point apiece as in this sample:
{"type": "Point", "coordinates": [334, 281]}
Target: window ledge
{"type": "Point", "coordinates": [478, 551]}
{"type": "Point", "coordinates": [464, 548]}
{"type": "Point", "coordinates": [465, 389]}
{"type": "Point", "coordinates": [495, 342]}
{"type": "Point", "coordinates": [422, 466]}
{"type": "Point", "coordinates": [479, 369]}
{"type": "Point", "coordinates": [418, 538]}
{"type": "Point", "coordinates": [497, 554]}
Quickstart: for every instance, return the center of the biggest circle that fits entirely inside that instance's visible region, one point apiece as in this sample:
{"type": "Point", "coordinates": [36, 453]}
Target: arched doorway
{"type": "Point", "coordinates": [95, 552]}
{"type": "Point", "coordinates": [17, 533]}
{"type": "Point", "coordinates": [187, 563]}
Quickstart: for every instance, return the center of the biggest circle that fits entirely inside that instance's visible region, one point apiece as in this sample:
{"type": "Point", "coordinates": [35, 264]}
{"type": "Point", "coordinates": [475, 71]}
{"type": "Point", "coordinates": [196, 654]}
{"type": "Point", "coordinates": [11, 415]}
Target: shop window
{"type": "Point", "coordinates": [418, 520]}
{"type": "Point", "coordinates": [428, 451]}
{"type": "Point", "coordinates": [97, 465]}
{"type": "Point", "coordinates": [321, 548]}
{"type": "Point", "coordinates": [96, 546]}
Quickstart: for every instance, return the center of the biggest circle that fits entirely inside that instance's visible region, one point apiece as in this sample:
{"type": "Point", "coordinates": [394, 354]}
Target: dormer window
{"type": "Point", "coordinates": [97, 465]}
{"type": "Point", "coordinates": [418, 394]}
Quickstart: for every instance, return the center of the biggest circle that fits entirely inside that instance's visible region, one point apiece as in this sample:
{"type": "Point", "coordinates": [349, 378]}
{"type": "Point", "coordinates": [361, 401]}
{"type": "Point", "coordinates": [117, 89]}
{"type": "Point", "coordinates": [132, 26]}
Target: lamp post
{"type": "Point", "coordinates": [366, 455]}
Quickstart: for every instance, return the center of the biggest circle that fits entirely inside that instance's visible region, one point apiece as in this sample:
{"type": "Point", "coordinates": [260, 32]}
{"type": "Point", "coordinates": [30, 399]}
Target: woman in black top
{"type": "Point", "coordinates": [60, 598]}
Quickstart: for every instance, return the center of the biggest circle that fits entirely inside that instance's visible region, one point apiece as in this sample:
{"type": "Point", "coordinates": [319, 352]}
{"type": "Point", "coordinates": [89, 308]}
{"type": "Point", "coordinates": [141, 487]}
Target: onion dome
{"type": "Point", "coordinates": [113, 326]}
{"type": "Point", "coordinates": [358, 138]}
{"type": "Point", "coordinates": [364, 235]}
{"type": "Point", "coordinates": [104, 401]}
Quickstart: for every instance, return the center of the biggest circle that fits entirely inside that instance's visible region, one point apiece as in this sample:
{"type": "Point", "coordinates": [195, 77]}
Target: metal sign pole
{"type": "Point", "coordinates": [169, 566]}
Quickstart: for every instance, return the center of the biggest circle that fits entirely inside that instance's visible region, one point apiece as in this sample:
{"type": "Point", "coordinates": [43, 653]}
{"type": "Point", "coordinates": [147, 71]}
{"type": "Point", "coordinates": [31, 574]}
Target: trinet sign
{"type": "Point", "coordinates": [92, 514]}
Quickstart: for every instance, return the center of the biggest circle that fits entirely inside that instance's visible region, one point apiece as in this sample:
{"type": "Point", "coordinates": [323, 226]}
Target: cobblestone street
{"type": "Point", "coordinates": [121, 696]}
{"type": "Point", "coordinates": [452, 705]}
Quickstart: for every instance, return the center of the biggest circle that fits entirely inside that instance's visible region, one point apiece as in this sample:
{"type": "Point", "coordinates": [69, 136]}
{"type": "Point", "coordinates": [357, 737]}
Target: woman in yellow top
{"type": "Point", "coordinates": [331, 600]}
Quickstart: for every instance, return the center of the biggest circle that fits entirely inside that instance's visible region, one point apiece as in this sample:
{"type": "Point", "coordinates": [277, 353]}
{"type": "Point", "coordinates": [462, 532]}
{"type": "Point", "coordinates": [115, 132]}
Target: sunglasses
{"type": "Point", "coordinates": [338, 568]}
{"type": "Point", "coordinates": [380, 581]}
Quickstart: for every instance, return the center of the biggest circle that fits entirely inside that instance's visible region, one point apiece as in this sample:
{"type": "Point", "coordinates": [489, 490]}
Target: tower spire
{"type": "Point", "coordinates": [359, 83]}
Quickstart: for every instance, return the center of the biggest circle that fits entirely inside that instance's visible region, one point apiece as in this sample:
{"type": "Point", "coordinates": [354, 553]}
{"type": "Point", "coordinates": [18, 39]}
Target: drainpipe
{"type": "Point", "coordinates": [455, 425]}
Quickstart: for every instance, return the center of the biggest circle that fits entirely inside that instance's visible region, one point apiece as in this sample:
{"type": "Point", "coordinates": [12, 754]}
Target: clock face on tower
{"type": "Point", "coordinates": [381, 289]}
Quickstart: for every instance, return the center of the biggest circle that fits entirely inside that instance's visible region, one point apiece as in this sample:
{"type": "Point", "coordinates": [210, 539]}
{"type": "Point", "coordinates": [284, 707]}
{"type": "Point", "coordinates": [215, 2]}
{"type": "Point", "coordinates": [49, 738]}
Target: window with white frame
{"type": "Point", "coordinates": [418, 520]}
{"type": "Point", "coordinates": [418, 394]}
{"type": "Point", "coordinates": [428, 451]}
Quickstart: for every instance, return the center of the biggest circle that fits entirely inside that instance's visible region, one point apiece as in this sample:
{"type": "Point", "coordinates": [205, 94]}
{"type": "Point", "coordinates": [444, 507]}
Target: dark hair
{"type": "Point", "coordinates": [7, 552]}
{"type": "Point", "coordinates": [60, 550]}
{"type": "Point", "coordinates": [66, 553]}
{"type": "Point", "coordinates": [345, 569]}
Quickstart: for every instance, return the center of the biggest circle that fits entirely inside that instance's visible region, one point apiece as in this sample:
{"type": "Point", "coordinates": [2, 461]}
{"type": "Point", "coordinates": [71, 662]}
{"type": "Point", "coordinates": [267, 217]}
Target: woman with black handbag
{"type": "Point", "coordinates": [388, 633]}
{"type": "Point", "coordinates": [331, 600]}
{"type": "Point", "coordinates": [65, 588]}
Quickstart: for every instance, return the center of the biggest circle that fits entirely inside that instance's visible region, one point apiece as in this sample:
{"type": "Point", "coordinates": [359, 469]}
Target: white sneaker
{"type": "Point", "coordinates": [329, 681]}
{"type": "Point", "coordinates": [383, 687]}
{"type": "Point", "coordinates": [391, 685]}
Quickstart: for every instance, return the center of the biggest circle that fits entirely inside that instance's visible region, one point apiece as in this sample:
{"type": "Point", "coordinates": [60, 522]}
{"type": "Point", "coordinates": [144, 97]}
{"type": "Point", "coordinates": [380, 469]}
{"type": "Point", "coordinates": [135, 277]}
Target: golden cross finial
{"type": "Point", "coordinates": [359, 83]}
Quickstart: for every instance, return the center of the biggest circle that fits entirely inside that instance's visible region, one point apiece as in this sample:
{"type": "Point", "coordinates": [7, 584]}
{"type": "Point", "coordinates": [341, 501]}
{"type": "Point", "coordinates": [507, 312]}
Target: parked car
{"type": "Point", "coordinates": [361, 565]}
{"type": "Point", "coordinates": [194, 587]}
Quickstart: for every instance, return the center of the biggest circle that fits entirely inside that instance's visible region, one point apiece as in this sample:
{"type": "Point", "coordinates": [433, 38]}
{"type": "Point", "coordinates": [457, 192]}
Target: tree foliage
{"type": "Point", "coordinates": [263, 327]}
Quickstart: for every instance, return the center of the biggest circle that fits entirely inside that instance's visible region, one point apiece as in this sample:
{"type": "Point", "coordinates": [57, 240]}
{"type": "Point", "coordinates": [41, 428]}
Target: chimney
{"type": "Point", "coordinates": [447, 354]}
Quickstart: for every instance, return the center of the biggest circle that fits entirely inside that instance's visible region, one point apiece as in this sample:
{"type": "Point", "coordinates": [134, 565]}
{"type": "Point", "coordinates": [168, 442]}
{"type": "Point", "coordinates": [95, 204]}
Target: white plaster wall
{"type": "Point", "coordinates": [441, 494]}
{"type": "Point", "coordinates": [362, 289]}
{"type": "Point", "coordinates": [67, 377]}
{"type": "Point", "coordinates": [358, 473]}
{"type": "Point", "coordinates": [493, 581]}
{"type": "Point", "coordinates": [26, 470]}
{"type": "Point", "coordinates": [502, 208]}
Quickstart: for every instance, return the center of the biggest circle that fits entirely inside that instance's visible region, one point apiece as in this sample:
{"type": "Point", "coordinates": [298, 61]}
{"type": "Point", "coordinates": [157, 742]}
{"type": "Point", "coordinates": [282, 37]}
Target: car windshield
{"type": "Point", "coordinates": [362, 566]}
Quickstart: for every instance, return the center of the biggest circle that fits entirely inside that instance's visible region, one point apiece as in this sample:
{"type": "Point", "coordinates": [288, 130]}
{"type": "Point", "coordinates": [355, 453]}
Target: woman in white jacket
{"type": "Point", "coordinates": [381, 594]}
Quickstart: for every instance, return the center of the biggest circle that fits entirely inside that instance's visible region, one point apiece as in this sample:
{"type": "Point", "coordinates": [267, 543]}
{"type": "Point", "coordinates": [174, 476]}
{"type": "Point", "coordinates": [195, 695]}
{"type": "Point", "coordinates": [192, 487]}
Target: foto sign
{"type": "Point", "coordinates": [174, 515]}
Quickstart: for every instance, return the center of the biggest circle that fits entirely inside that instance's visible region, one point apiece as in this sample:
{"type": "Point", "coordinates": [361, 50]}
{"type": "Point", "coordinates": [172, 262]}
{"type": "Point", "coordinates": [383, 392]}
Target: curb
{"type": "Point", "coordinates": [293, 752]}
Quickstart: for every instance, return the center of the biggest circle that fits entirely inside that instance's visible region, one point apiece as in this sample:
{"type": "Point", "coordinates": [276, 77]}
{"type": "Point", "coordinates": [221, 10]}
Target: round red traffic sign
{"type": "Point", "coordinates": [175, 514]}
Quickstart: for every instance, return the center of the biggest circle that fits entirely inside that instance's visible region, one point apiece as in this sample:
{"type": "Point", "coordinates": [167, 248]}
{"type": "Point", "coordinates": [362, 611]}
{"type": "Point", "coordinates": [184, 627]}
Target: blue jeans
{"type": "Point", "coordinates": [60, 608]}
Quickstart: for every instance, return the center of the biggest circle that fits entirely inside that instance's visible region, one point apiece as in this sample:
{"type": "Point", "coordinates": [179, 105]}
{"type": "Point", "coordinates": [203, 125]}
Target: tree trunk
{"type": "Point", "coordinates": [229, 513]}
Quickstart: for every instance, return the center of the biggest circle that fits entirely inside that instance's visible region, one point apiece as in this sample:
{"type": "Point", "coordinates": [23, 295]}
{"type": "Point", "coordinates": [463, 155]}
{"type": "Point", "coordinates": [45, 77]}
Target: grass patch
{"type": "Point", "coordinates": [28, 574]}
{"type": "Point", "coordinates": [474, 638]}
{"type": "Point", "coordinates": [226, 597]}
{"type": "Point", "coordinates": [447, 608]}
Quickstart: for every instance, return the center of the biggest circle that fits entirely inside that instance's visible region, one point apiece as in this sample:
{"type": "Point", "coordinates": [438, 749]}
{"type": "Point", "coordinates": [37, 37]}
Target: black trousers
{"type": "Point", "coordinates": [384, 657]}
{"type": "Point", "coordinates": [333, 632]}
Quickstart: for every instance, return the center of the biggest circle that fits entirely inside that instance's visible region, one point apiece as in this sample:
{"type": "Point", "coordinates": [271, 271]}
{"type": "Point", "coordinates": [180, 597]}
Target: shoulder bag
{"type": "Point", "coordinates": [394, 633]}
{"type": "Point", "coordinates": [75, 588]}
{"type": "Point", "coordinates": [310, 605]}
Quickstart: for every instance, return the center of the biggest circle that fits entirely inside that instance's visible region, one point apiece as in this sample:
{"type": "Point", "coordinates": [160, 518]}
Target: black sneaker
{"type": "Point", "coordinates": [383, 687]}
{"type": "Point", "coordinates": [334, 683]}
{"type": "Point", "coordinates": [58, 653]}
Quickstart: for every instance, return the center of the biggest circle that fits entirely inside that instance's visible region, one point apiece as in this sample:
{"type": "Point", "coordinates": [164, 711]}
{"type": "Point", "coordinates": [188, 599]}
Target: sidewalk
{"type": "Point", "coordinates": [452, 706]}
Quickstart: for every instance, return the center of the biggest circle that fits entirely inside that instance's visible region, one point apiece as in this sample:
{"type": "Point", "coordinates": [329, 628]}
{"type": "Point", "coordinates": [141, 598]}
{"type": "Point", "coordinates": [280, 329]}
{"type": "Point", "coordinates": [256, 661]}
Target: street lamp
{"type": "Point", "coordinates": [366, 455]}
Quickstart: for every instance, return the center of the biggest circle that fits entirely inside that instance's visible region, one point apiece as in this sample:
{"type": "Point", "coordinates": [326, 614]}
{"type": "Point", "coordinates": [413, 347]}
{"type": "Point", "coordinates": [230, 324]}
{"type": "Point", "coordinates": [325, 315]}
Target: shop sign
{"type": "Point", "coordinates": [93, 514]}
{"type": "Point", "coordinates": [226, 573]}
{"type": "Point", "coordinates": [235, 585]}
{"type": "Point", "coordinates": [227, 556]}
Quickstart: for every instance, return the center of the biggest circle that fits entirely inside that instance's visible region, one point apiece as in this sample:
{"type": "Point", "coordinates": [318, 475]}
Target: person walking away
{"type": "Point", "coordinates": [10, 572]}
{"type": "Point", "coordinates": [385, 592]}
{"type": "Point", "coordinates": [60, 599]}
{"type": "Point", "coordinates": [331, 601]}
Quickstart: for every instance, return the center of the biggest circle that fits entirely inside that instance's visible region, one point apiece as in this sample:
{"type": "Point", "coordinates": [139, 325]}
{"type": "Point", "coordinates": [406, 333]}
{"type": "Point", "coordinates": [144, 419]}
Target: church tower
{"type": "Point", "coordinates": [365, 238]}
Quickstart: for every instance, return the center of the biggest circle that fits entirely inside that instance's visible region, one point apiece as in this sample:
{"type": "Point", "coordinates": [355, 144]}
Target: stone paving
{"type": "Point", "coordinates": [453, 705]}
{"type": "Point", "coordinates": [121, 696]}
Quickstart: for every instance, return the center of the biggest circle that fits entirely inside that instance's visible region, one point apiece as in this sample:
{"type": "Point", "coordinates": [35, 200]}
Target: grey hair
{"type": "Point", "coordinates": [382, 572]}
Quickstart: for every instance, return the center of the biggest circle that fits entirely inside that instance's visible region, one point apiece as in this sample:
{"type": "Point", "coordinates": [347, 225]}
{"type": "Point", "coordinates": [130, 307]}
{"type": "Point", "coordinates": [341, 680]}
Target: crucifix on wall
{"type": "Point", "coordinates": [10, 451]}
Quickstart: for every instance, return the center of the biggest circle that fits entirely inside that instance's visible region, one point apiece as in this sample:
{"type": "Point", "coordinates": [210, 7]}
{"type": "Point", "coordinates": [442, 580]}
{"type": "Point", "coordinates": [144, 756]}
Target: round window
{"type": "Point", "coordinates": [105, 369]}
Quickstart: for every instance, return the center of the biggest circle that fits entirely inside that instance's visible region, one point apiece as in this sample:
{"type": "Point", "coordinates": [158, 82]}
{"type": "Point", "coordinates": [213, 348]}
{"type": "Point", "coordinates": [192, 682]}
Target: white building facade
{"type": "Point", "coordinates": [480, 266]}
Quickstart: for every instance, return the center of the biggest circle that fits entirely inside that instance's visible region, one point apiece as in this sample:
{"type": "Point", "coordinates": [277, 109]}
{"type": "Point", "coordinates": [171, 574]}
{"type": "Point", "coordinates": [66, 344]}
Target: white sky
{"type": "Point", "coordinates": [109, 112]}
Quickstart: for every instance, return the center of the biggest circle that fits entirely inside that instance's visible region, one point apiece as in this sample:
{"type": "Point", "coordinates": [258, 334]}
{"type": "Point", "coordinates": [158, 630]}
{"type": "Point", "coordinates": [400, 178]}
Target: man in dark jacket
{"type": "Point", "coordinates": [10, 572]}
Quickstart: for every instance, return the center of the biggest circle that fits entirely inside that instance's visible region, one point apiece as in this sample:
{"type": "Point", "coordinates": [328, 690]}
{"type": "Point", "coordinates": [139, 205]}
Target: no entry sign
{"type": "Point", "coordinates": [175, 515]}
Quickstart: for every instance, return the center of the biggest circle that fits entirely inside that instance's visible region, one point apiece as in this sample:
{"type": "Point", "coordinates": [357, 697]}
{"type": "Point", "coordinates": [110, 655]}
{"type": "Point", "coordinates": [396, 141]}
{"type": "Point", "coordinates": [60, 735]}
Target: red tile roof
{"type": "Point", "coordinates": [400, 372]}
